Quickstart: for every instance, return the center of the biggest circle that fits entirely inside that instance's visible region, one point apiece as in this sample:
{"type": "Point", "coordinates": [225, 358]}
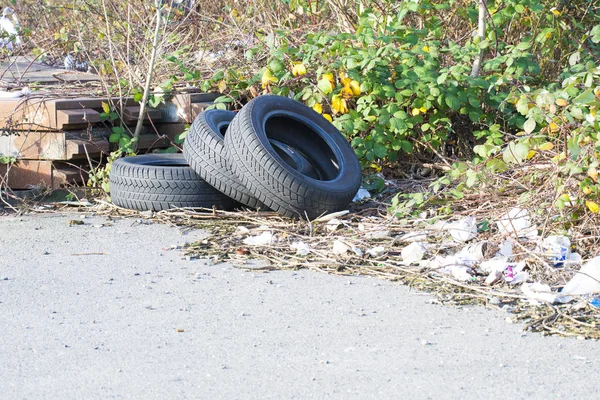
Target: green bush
{"type": "Point", "coordinates": [400, 82]}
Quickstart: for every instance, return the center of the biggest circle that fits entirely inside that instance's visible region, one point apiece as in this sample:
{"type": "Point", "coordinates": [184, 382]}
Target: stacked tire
{"type": "Point", "coordinates": [274, 154]}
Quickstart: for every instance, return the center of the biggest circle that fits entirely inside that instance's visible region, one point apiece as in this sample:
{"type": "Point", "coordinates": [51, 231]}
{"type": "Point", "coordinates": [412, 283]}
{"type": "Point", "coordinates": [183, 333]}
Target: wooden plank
{"type": "Point", "coordinates": [27, 173]}
{"type": "Point", "coordinates": [27, 114]}
{"type": "Point", "coordinates": [64, 118]}
{"type": "Point", "coordinates": [132, 113]}
{"type": "Point", "coordinates": [93, 102]}
{"type": "Point", "coordinates": [78, 148]}
{"type": "Point", "coordinates": [34, 145]}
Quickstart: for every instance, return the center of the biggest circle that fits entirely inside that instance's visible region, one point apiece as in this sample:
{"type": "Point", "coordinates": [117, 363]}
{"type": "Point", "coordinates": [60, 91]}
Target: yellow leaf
{"type": "Point", "coordinates": [318, 108]}
{"type": "Point", "coordinates": [376, 167]}
{"type": "Point", "coordinates": [593, 207]}
{"type": "Point", "coordinates": [586, 190]}
{"type": "Point", "coordinates": [222, 86]}
{"type": "Point", "coordinates": [235, 14]}
{"type": "Point", "coordinates": [105, 108]}
{"type": "Point", "coordinates": [546, 146]}
{"type": "Point", "coordinates": [344, 78]}
{"type": "Point", "coordinates": [355, 86]}
{"type": "Point", "coordinates": [561, 102]}
{"type": "Point", "coordinates": [405, 61]}
{"type": "Point", "coordinates": [592, 172]}
{"type": "Point", "coordinates": [423, 110]}
{"type": "Point", "coordinates": [347, 92]}
{"type": "Point", "coordinates": [329, 76]}
{"type": "Point", "coordinates": [553, 127]}
{"type": "Point", "coordinates": [531, 154]}
{"type": "Point", "coordinates": [298, 69]}
{"type": "Point", "coordinates": [554, 11]}
{"type": "Point", "coordinates": [267, 78]}
{"type": "Point", "coordinates": [426, 49]}
{"type": "Point", "coordinates": [338, 105]}
{"type": "Point", "coordinates": [415, 111]}
{"type": "Point", "coordinates": [328, 117]}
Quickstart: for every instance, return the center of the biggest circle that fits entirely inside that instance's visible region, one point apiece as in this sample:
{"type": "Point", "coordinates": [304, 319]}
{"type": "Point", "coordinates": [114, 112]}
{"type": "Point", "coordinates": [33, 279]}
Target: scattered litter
{"type": "Point", "coordinates": [357, 251]}
{"type": "Point", "coordinates": [459, 272]}
{"type": "Point", "coordinates": [301, 248]}
{"type": "Point", "coordinates": [506, 249]}
{"type": "Point", "coordinates": [472, 254]}
{"type": "Point", "coordinates": [517, 223]}
{"type": "Point", "coordinates": [586, 280]}
{"type": "Point", "coordinates": [595, 302]}
{"type": "Point", "coordinates": [463, 230]}
{"type": "Point", "coordinates": [147, 214]}
{"type": "Point", "coordinates": [378, 234]}
{"type": "Point", "coordinates": [537, 291]}
{"type": "Point", "coordinates": [340, 247]}
{"type": "Point", "coordinates": [376, 251]}
{"type": "Point", "coordinates": [329, 217]}
{"type": "Point", "coordinates": [413, 253]}
{"type": "Point", "coordinates": [334, 224]}
{"type": "Point", "coordinates": [15, 95]}
{"type": "Point", "coordinates": [242, 230]}
{"type": "Point", "coordinates": [265, 238]}
{"type": "Point", "coordinates": [362, 194]}
{"type": "Point", "coordinates": [557, 249]}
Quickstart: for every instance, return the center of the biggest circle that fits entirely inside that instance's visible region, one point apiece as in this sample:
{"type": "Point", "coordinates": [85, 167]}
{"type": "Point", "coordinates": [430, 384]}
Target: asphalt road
{"type": "Point", "coordinates": [90, 311]}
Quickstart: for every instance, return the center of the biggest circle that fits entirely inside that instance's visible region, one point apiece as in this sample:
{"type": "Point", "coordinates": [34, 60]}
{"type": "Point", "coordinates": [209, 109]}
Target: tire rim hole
{"type": "Point", "coordinates": [308, 142]}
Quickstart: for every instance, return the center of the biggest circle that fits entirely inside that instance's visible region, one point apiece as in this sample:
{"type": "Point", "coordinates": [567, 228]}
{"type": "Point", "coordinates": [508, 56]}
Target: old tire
{"type": "Point", "coordinates": [273, 181]}
{"type": "Point", "coordinates": [204, 151]}
{"type": "Point", "coordinates": [161, 182]}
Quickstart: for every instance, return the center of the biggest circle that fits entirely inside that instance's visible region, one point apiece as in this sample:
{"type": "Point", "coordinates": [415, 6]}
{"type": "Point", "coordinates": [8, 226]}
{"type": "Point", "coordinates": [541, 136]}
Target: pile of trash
{"type": "Point", "coordinates": [504, 262]}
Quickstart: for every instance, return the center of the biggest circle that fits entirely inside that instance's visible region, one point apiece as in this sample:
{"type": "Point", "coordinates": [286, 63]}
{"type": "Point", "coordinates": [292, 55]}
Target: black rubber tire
{"type": "Point", "coordinates": [204, 151]}
{"type": "Point", "coordinates": [161, 182]}
{"type": "Point", "coordinates": [273, 181]}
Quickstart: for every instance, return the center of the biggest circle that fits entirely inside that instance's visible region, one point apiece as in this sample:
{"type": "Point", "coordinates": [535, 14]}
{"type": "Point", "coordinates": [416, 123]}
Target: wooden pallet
{"type": "Point", "coordinates": [54, 137]}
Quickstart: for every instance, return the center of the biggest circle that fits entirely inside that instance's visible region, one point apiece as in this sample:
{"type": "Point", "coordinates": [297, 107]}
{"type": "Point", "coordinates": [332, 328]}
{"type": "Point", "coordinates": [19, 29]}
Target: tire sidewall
{"type": "Point", "coordinates": [269, 106]}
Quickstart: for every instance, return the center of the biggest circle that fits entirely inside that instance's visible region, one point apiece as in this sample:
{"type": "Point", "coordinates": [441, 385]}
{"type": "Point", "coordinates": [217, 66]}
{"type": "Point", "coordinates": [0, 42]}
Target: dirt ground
{"type": "Point", "coordinates": [102, 310]}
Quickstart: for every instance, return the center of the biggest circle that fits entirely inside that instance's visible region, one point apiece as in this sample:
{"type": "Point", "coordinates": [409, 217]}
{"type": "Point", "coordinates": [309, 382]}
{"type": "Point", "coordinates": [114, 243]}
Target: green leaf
{"type": "Point", "coordinates": [380, 150]}
{"type": "Point", "coordinates": [595, 33]}
{"type": "Point", "coordinates": [523, 106]}
{"type": "Point", "coordinates": [325, 86]}
{"type": "Point", "coordinates": [452, 102]}
{"type": "Point", "coordinates": [574, 58]}
{"type": "Point", "coordinates": [586, 97]}
{"type": "Point", "coordinates": [515, 153]}
{"type": "Point", "coordinates": [529, 125]}
{"type": "Point", "coordinates": [114, 138]}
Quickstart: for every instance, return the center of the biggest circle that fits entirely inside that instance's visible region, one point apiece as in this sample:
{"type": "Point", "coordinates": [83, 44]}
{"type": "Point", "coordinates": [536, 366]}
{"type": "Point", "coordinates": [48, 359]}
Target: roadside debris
{"type": "Point", "coordinates": [264, 239]}
{"type": "Point", "coordinates": [361, 195]}
{"type": "Point", "coordinates": [464, 229]}
{"type": "Point", "coordinates": [413, 253]}
{"type": "Point", "coordinates": [504, 263]}
{"type": "Point", "coordinates": [586, 280]}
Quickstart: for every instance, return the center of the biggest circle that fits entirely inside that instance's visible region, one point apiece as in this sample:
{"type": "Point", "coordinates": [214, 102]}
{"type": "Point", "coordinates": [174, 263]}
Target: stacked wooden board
{"type": "Point", "coordinates": [54, 139]}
